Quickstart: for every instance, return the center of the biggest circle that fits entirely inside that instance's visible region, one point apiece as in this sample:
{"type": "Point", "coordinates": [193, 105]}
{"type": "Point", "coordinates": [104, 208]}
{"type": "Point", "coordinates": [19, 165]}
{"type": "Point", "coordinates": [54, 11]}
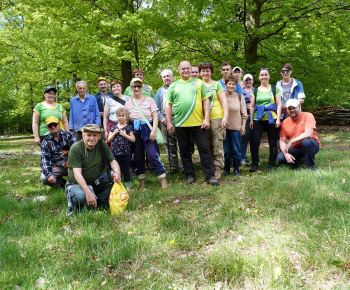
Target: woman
{"type": "Point", "coordinates": [218, 116]}
{"type": "Point", "coordinates": [112, 105]}
{"type": "Point", "coordinates": [235, 128]}
{"type": "Point", "coordinates": [44, 110]}
{"type": "Point", "coordinates": [265, 115]}
{"type": "Point", "coordinates": [145, 137]}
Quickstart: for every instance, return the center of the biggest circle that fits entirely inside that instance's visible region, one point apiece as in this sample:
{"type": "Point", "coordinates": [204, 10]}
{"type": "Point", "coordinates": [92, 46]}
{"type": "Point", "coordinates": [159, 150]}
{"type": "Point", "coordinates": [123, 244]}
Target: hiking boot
{"type": "Point", "coordinates": [163, 183]}
{"type": "Point", "coordinates": [212, 181]}
{"type": "Point", "coordinates": [253, 168]}
{"type": "Point", "coordinates": [190, 180]}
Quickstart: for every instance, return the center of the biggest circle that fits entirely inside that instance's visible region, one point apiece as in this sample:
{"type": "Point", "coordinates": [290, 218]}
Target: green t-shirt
{"type": "Point", "coordinates": [46, 112]}
{"type": "Point", "coordinates": [90, 161]}
{"type": "Point", "coordinates": [265, 98]}
{"type": "Point", "coordinates": [216, 110]}
{"type": "Point", "coordinates": [147, 91]}
{"type": "Point", "coordinates": [187, 97]}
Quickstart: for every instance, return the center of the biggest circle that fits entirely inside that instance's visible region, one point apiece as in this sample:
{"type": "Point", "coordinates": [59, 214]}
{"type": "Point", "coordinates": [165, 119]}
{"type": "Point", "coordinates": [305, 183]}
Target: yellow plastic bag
{"type": "Point", "coordinates": [118, 199]}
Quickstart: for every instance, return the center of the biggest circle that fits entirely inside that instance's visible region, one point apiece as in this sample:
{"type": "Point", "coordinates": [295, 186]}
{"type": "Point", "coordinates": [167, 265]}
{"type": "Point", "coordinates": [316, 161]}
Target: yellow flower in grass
{"type": "Point", "coordinates": [171, 242]}
{"type": "Point", "coordinates": [129, 233]}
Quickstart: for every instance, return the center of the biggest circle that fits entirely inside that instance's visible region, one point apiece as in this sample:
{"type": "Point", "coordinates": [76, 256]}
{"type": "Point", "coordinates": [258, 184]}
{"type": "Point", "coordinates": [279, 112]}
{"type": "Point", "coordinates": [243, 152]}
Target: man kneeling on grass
{"type": "Point", "coordinates": [54, 154]}
{"type": "Point", "coordinates": [87, 178]}
{"type": "Point", "coordinates": [300, 129]}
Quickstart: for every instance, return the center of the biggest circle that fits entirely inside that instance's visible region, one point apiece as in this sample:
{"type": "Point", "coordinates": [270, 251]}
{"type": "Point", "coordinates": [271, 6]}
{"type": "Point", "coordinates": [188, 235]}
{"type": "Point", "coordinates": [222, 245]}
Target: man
{"type": "Point", "coordinates": [300, 129]}
{"type": "Point", "coordinates": [83, 110]}
{"type": "Point", "coordinates": [226, 71]}
{"type": "Point", "coordinates": [290, 88]}
{"type": "Point", "coordinates": [191, 118]}
{"type": "Point", "coordinates": [195, 71]}
{"type": "Point", "coordinates": [54, 154]}
{"type": "Point", "coordinates": [237, 72]}
{"type": "Point", "coordinates": [87, 182]}
{"type": "Point", "coordinates": [169, 140]}
{"type": "Point", "coordinates": [248, 81]}
{"type": "Point", "coordinates": [103, 95]}
{"type": "Point", "coordinates": [147, 90]}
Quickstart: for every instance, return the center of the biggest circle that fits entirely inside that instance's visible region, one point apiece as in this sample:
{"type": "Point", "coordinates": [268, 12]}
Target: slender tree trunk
{"type": "Point", "coordinates": [126, 73]}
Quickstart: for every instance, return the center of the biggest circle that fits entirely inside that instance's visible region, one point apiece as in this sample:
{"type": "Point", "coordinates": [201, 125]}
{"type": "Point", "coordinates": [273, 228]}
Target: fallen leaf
{"type": "Point", "coordinates": [140, 206]}
{"type": "Point", "coordinates": [343, 180]}
{"type": "Point", "coordinates": [104, 283]}
{"type": "Point", "coordinates": [40, 283]}
{"type": "Point", "coordinates": [218, 285]}
{"type": "Point", "coordinates": [106, 271]}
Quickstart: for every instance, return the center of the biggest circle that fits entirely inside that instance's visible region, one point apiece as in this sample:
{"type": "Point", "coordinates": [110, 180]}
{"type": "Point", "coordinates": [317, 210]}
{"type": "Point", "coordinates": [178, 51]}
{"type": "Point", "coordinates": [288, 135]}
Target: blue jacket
{"type": "Point", "coordinates": [101, 105]}
{"type": "Point", "coordinates": [238, 89]}
{"type": "Point", "coordinates": [297, 89]}
{"type": "Point", "coordinates": [82, 113]}
{"type": "Point", "coordinates": [159, 101]}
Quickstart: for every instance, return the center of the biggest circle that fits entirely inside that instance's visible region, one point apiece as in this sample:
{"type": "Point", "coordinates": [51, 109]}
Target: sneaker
{"type": "Point", "coordinates": [253, 168]}
{"type": "Point", "coordinates": [212, 181]}
{"type": "Point", "coordinates": [127, 185]}
{"type": "Point", "coordinates": [190, 180]}
{"type": "Point", "coordinates": [244, 162]}
{"type": "Point", "coordinates": [236, 173]}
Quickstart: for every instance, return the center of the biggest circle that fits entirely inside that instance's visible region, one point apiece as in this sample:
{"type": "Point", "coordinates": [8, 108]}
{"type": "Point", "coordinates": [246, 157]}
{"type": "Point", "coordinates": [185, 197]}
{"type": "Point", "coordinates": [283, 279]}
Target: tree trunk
{"type": "Point", "coordinates": [126, 73]}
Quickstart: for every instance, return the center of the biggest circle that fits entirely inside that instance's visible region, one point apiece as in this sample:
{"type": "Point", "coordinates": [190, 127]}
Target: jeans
{"type": "Point", "coordinates": [308, 150]}
{"type": "Point", "coordinates": [200, 138]}
{"type": "Point", "coordinates": [124, 164]}
{"type": "Point", "coordinates": [245, 140]}
{"type": "Point", "coordinates": [232, 144]}
{"type": "Point", "coordinates": [272, 135]}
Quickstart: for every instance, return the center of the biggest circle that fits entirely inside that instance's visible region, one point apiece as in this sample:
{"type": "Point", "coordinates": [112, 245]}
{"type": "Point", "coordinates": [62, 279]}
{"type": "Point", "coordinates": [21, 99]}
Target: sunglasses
{"type": "Point", "coordinates": [285, 71]}
{"type": "Point", "coordinates": [52, 125]}
{"type": "Point", "coordinates": [137, 87]}
{"type": "Point", "coordinates": [264, 68]}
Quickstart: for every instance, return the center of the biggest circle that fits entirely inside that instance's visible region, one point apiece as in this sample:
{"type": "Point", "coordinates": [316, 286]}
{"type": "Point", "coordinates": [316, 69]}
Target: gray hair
{"type": "Point", "coordinates": [167, 70]}
{"type": "Point", "coordinates": [80, 83]}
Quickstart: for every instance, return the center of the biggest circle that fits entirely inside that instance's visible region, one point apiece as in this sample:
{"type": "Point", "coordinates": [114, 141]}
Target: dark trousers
{"type": "Point", "coordinates": [308, 150]}
{"type": "Point", "coordinates": [124, 164]}
{"type": "Point", "coordinates": [246, 140]}
{"type": "Point", "coordinates": [272, 135]}
{"type": "Point", "coordinates": [152, 151]}
{"type": "Point", "coordinates": [200, 138]}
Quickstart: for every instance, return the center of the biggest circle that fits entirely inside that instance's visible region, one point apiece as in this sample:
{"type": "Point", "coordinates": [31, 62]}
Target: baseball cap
{"type": "Point", "coordinates": [292, 103]}
{"type": "Point", "coordinates": [247, 76]}
{"type": "Point", "coordinates": [237, 68]}
{"type": "Point", "coordinates": [91, 128]}
{"type": "Point", "coordinates": [51, 119]}
{"type": "Point", "coordinates": [134, 80]}
{"type": "Point", "coordinates": [50, 88]}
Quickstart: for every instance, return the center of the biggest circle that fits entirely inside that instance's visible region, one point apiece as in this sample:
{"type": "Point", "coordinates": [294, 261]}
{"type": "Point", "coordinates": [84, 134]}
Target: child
{"type": "Point", "coordinates": [121, 135]}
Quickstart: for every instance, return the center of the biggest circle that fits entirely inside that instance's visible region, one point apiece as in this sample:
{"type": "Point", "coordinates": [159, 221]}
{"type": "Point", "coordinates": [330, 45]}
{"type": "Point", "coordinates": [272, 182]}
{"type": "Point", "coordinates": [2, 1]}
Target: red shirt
{"type": "Point", "coordinates": [292, 129]}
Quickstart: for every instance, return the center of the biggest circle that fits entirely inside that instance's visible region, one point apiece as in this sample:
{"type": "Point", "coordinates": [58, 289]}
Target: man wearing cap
{"type": "Point", "coordinates": [54, 153]}
{"type": "Point", "coordinates": [237, 72]}
{"type": "Point", "coordinates": [87, 182]}
{"type": "Point", "coordinates": [300, 129]}
{"type": "Point", "coordinates": [195, 71]}
{"type": "Point", "coordinates": [147, 90]}
{"type": "Point", "coordinates": [290, 88]}
{"type": "Point", "coordinates": [226, 71]}
{"type": "Point", "coordinates": [248, 89]}
{"type": "Point", "coordinates": [191, 118]}
{"type": "Point", "coordinates": [83, 110]}
{"type": "Point", "coordinates": [103, 95]}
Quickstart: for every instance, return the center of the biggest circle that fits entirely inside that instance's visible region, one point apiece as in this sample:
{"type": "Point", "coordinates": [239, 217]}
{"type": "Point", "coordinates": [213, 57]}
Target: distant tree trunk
{"type": "Point", "coordinates": [126, 73]}
{"type": "Point", "coordinates": [252, 21]}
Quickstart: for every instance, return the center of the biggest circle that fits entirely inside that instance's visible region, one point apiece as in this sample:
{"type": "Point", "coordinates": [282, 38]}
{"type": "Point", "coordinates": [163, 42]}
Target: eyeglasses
{"type": "Point", "coordinates": [52, 125]}
{"type": "Point", "coordinates": [137, 87]}
{"type": "Point", "coordinates": [264, 68]}
{"type": "Point", "coordinates": [285, 71]}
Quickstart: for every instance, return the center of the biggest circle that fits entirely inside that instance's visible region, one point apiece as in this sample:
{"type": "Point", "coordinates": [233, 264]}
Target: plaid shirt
{"type": "Point", "coordinates": [52, 152]}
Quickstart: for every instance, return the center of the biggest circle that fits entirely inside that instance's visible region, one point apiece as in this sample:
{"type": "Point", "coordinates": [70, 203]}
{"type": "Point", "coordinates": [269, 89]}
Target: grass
{"type": "Point", "coordinates": [286, 229]}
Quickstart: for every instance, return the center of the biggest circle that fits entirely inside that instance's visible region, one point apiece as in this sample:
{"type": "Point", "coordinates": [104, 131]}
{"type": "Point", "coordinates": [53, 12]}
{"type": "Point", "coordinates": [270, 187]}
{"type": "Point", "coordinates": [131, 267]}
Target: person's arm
{"type": "Point", "coordinates": [111, 135]}
{"type": "Point", "coordinates": [152, 136]}
{"type": "Point", "coordinates": [279, 110]}
{"type": "Point", "coordinates": [65, 122]}
{"type": "Point", "coordinates": [105, 117]}
{"type": "Point", "coordinates": [206, 109]}
{"type": "Point", "coordinates": [252, 110]}
{"type": "Point", "coordinates": [306, 135]}
{"type": "Point", "coordinates": [115, 167]}
{"type": "Point", "coordinates": [169, 124]}
{"type": "Point", "coordinates": [130, 137]}
{"type": "Point", "coordinates": [159, 101]}
{"type": "Point", "coordinates": [283, 146]}
{"type": "Point", "coordinates": [301, 101]}
{"type": "Point", "coordinates": [243, 115]}
{"type": "Point", "coordinates": [223, 102]}
{"type": "Point", "coordinates": [35, 127]}
{"type": "Point", "coordinates": [90, 197]}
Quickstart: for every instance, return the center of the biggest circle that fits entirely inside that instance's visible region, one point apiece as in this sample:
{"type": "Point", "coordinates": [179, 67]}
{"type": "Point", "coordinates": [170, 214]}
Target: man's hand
{"type": "Point", "coordinates": [163, 121]}
{"type": "Point", "coordinates": [278, 123]}
{"type": "Point", "coordinates": [52, 179]}
{"type": "Point", "coordinates": [289, 157]}
{"type": "Point", "coordinates": [116, 177]}
{"type": "Point", "coordinates": [242, 130]}
{"type": "Point", "coordinates": [170, 128]}
{"type": "Point", "coordinates": [251, 124]}
{"type": "Point", "coordinates": [286, 148]}
{"type": "Point", "coordinates": [206, 124]}
{"type": "Point", "coordinates": [224, 122]}
{"type": "Point", "coordinates": [90, 199]}
{"type": "Point", "coordinates": [37, 141]}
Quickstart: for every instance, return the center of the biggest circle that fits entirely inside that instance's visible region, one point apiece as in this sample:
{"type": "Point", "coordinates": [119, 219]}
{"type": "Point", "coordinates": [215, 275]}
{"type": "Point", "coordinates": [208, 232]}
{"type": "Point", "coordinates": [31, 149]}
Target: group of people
{"type": "Point", "coordinates": [220, 117]}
